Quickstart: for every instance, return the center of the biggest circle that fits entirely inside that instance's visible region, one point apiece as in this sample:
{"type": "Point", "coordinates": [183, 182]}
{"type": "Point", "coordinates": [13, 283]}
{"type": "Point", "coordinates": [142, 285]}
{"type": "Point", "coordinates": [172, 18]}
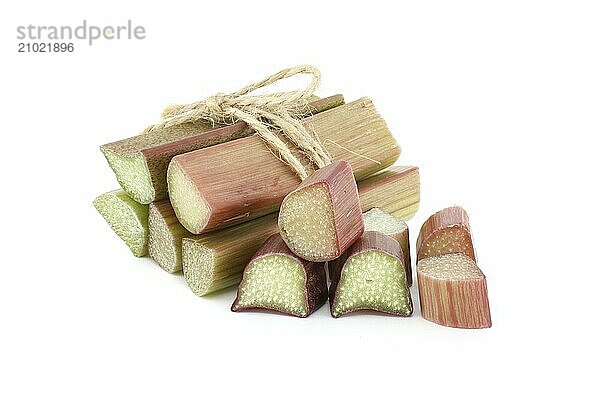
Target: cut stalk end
{"type": "Point", "coordinates": [322, 217]}
{"type": "Point", "coordinates": [380, 221]}
{"type": "Point", "coordinates": [275, 279]}
{"type": "Point", "coordinates": [190, 207]}
{"type": "Point", "coordinates": [453, 292]}
{"type": "Point", "coordinates": [306, 222]}
{"type": "Point", "coordinates": [216, 260]}
{"type": "Point", "coordinates": [273, 282]}
{"type": "Point", "coordinates": [370, 276]}
{"type": "Point", "coordinates": [372, 280]}
{"type": "Point", "coordinates": [198, 267]}
{"type": "Point", "coordinates": [165, 234]}
{"type": "Point", "coordinates": [445, 232]}
{"type": "Point", "coordinates": [127, 218]}
{"type": "Point", "coordinates": [132, 174]}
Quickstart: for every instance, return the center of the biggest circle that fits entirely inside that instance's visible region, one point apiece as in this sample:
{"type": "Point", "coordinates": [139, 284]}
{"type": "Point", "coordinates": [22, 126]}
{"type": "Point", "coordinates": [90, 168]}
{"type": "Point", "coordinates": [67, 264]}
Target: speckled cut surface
{"type": "Point", "coordinates": [132, 174]}
{"type": "Point", "coordinates": [274, 282]}
{"type": "Point", "coordinates": [161, 245]}
{"type": "Point", "coordinates": [198, 266]}
{"type": "Point", "coordinates": [127, 218]}
{"type": "Point", "coordinates": [307, 218]}
{"type": "Point", "coordinates": [190, 207]}
{"type": "Point", "coordinates": [381, 221]}
{"type": "Point", "coordinates": [372, 280]}
{"type": "Point", "coordinates": [450, 266]}
{"type": "Point", "coordinates": [445, 241]}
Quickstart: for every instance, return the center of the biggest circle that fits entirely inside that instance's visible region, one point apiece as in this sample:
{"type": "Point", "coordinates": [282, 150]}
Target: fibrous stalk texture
{"type": "Point", "coordinates": [127, 218]}
{"type": "Point", "coordinates": [241, 180]}
{"type": "Point", "coordinates": [322, 217]}
{"type": "Point", "coordinates": [370, 276]}
{"type": "Point", "coordinates": [397, 190]}
{"type": "Point", "coordinates": [140, 162]}
{"type": "Point", "coordinates": [380, 221]}
{"type": "Point", "coordinates": [447, 231]}
{"type": "Point", "coordinates": [453, 291]}
{"type": "Point", "coordinates": [215, 260]}
{"type": "Point", "coordinates": [276, 279]}
{"type": "Point", "coordinates": [165, 235]}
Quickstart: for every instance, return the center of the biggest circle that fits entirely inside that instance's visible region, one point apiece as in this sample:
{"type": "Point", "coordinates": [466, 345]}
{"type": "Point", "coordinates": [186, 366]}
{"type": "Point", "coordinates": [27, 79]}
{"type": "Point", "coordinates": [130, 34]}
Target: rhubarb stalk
{"type": "Point", "coordinates": [140, 162]}
{"type": "Point", "coordinates": [321, 218]}
{"type": "Point", "coordinates": [127, 218]}
{"type": "Point", "coordinates": [453, 292]}
{"type": "Point", "coordinates": [370, 276]}
{"type": "Point", "coordinates": [165, 234]}
{"type": "Point", "coordinates": [380, 221]}
{"type": "Point", "coordinates": [215, 260]}
{"type": "Point", "coordinates": [241, 180]}
{"type": "Point", "coordinates": [276, 279]}
{"type": "Point", "coordinates": [447, 231]}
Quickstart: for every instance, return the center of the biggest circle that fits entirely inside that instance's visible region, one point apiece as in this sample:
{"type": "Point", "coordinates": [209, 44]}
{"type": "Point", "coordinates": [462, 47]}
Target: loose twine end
{"type": "Point", "coordinates": [279, 110]}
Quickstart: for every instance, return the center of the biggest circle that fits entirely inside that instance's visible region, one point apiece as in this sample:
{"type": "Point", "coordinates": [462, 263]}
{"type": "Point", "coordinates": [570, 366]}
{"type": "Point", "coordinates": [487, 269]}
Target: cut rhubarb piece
{"type": "Point", "coordinates": [380, 221]}
{"type": "Point", "coordinates": [165, 235]}
{"type": "Point", "coordinates": [127, 218]}
{"type": "Point", "coordinates": [370, 276]}
{"type": "Point", "coordinates": [322, 217]}
{"type": "Point", "coordinates": [277, 280]}
{"type": "Point", "coordinates": [445, 232]}
{"type": "Point", "coordinates": [453, 292]}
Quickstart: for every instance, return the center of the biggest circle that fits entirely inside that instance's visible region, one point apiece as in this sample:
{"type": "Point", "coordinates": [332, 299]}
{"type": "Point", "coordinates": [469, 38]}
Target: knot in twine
{"type": "Point", "coordinates": [263, 113]}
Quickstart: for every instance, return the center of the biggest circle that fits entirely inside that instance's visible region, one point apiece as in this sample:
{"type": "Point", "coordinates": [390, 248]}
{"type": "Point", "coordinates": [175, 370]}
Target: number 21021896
{"type": "Point", "coordinates": [46, 47]}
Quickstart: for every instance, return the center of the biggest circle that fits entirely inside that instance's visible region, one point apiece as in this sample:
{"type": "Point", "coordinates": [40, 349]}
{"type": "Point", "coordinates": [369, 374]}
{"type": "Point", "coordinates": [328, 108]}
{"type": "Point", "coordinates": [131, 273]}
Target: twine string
{"type": "Point", "coordinates": [279, 110]}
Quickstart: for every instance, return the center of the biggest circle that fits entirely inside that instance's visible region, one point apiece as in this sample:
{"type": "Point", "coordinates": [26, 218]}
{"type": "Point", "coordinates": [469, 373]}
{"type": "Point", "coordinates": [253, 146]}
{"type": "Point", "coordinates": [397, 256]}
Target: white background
{"type": "Point", "coordinates": [497, 103]}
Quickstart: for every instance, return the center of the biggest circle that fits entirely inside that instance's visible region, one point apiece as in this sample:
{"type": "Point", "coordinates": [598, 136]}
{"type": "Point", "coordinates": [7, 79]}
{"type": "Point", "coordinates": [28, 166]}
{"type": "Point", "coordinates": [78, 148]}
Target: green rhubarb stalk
{"type": "Point", "coordinates": [127, 218]}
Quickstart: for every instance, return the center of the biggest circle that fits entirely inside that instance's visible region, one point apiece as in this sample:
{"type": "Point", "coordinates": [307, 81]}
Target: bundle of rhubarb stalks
{"type": "Point", "coordinates": [217, 204]}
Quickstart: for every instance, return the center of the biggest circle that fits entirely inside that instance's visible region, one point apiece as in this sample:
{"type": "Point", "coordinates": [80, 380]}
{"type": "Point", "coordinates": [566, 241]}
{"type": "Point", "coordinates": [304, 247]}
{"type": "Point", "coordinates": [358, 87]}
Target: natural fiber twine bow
{"type": "Point", "coordinates": [263, 113]}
